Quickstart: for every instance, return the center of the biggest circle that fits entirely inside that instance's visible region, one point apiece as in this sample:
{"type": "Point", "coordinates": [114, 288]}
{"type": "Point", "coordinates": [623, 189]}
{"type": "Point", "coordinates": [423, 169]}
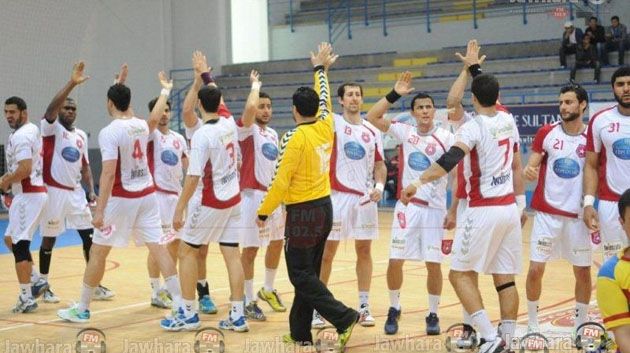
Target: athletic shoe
{"type": "Point", "coordinates": [273, 299]}
{"type": "Point", "coordinates": [365, 318]}
{"type": "Point", "coordinates": [180, 322]}
{"type": "Point", "coordinates": [495, 346]}
{"type": "Point", "coordinates": [73, 314]}
{"type": "Point", "coordinates": [50, 297]}
{"type": "Point", "coordinates": [103, 293]}
{"type": "Point", "coordinates": [433, 324]}
{"type": "Point", "coordinates": [206, 305]}
{"type": "Point", "coordinates": [318, 320]}
{"type": "Point", "coordinates": [25, 306]}
{"type": "Point", "coordinates": [239, 325]}
{"type": "Point", "coordinates": [344, 336]}
{"type": "Point", "coordinates": [391, 325]}
{"type": "Point", "coordinates": [254, 312]}
{"type": "Point", "coordinates": [39, 287]}
{"type": "Point", "coordinates": [161, 300]}
{"type": "Point", "coordinates": [533, 328]}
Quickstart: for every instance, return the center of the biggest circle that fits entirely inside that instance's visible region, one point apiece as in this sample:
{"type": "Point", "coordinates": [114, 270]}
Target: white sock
{"type": "Point", "coordinates": [394, 299]}
{"type": "Point", "coordinates": [508, 327]}
{"type": "Point", "coordinates": [155, 286]}
{"type": "Point", "coordinates": [532, 312]}
{"type": "Point", "coordinates": [364, 298]}
{"type": "Point", "coordinates": [466, 317]}
{"type": "Point", "coordinates": [249, 290]}
{"type": "Point", "coordinates": [482, 322]}
{"type": "Point", "coordinates": [25, 291]}
{"type": "Point", "coordinates": [86, 297]}
{"type": "Point", "coordinates": [173, 287]}
{"type": "Point", "coordinates": [203, 282]}
{"type": "Point", "coordinates": [44, 277]}
{"type": "Point", "coordinates": [270, 277]}
{"type": "Point", "coordinates": [581, 314]}
{"type": "Point", "coordinates": [189, 307]}
{"type": "Point", "coordinates": [434, 302]}
{"type": "Point", "coordinates": [237, 310]}
{"type": "Point", "coordinates": [34, 274]}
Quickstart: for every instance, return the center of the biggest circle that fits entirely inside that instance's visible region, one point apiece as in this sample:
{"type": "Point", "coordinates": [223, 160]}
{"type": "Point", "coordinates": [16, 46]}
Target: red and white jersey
{"type": "Point", "coordinates": [65, 153]}
{"type": "Point", "coordinates": [416, 154]}
{"type": "Point", "coordinates": [609, 135]}
{"type": "Point", "coordinates": [165, 152]}
{"type": "Point", "coordinates": [259, 147]}
{"type": "Point", "coordinates": [559, 188]}
{"type": "Point", "coordinates": [488, 167]}
{"type": "Point", "coordinates": [26, 143]}
{"type": "Point", "coordinates": [125, 140]}
{"type": "Point", "coordinates": [355, 151]}
{"type": "Point", "coordinates": [213, 157]}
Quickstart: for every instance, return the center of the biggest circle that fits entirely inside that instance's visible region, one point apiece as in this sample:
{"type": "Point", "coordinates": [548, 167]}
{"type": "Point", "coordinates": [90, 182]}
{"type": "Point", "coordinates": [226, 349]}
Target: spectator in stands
{"type": "Point", "coordinates": [570, 39]}
{"type": "Point", "coordinates": [586, 56]}
{"type": "Point", "coordinates": [598, 33]}
{"type": "Point", "coordinates": [617, 38]}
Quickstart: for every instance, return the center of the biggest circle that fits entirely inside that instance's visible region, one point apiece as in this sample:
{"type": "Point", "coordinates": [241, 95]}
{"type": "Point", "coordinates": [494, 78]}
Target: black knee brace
{"type": "Point", "coordinates": [505, 286]}
{"type": "Point", "coordinates": [231, 245]}
{"type": "Point", "coordinates": [21, 251]}
{"type": "Point", "coordinates": [195, 246]}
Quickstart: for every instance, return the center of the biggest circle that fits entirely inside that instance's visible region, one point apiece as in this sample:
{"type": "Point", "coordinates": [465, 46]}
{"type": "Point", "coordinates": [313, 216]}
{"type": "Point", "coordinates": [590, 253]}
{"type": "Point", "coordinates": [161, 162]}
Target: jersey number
{"type": "Point", "coordinates": [614, 127]}
{"type": "Point", "coordinates": [558, 145]}
{"type": "Point", "coordinates": [505, 142]}
{"type": "Point", "coordinates": [137, 150]}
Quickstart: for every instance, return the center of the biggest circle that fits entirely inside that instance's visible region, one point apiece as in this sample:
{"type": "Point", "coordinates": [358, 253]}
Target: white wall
{"type": "Point", "coordinates": [249, 31]}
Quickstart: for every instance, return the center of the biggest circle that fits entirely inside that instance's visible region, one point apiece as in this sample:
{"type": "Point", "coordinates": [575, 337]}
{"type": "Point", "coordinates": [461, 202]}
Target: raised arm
{"type": "Point", "coordinates": [188, 110]}
{"type": "Point", "coordinates": [251, 106]}
{"type": "Point", "coordinates": [160, 105]}
{"type": "Point", "coordinates": [321, 63]}
{"type": "Point", "coordinates": [456, 93]}
{"type": "Point", "coordinates": [76, 78]}
{"type": "Point", "coordinates": [401, 88]}
{"type": "Point", "coordinates": [591, 218]}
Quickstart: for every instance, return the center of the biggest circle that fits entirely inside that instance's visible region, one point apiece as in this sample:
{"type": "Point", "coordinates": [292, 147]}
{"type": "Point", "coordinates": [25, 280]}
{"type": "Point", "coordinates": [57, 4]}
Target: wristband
{"type": "Point", "coordinates": [207, 78]}
{"type": "Point", "coordinates": [262, 217]}
{"type": "Point", "coordinates": [589, 200]}
{"type": "Point", "coordinates": [521, 203]}
{"type": "Point", "coordinates": [475, 70]}
{"type": "Point", "coordinates": [319, 67]}
{"type": "Point", "coordinates": [165, 92]}
{"type": "Point", "coordinates": [392, 96]}
{"type": "Point", "coordinates": [380, 187]}
{"type": "Point", "coordinates": [256, 86]}
{"type": "Point", "coordinates": [417, 183]}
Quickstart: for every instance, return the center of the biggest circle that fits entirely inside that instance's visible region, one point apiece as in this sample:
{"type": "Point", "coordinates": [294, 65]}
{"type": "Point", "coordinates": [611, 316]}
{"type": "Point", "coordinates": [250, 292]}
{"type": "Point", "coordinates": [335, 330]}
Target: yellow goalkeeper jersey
{"type": "Point", "coordinates": [613, 291]}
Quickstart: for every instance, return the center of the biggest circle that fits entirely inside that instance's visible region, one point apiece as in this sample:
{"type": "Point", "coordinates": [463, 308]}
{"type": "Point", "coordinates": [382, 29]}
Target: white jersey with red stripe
{"type": "Point", "coordinates": [488, 167]}
{"type": "Point", "coordinates": [609, 135]}
{"type": "Point", "coordinates": [259, 146]}
{"type": "Point", "coordinates": [65, 153]}
{"type": "Point", "coordinates": [165, 152]}
{"type": "Point", "coordinates": [213, 157]}
{"type": "Point", "coordinates": [125, 140]}
{"type": "Point", "coordinates": [26, 143]}
{"type": "Point", "coordinates": [356, 149]}
{"type": "Point", "coordinates": [416, 154]}
{"type": "Point", "coordinates": [559, 188]}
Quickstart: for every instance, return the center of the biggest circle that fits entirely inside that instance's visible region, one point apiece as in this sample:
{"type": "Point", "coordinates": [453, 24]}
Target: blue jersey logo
{"type": "Point", "coordinates": [71, 154]}
{"type": "Point", "coordinates": [354, 150]}
{"type": "Point", "coordinates": [419, 161]}
{"type": "Point", "coordinates": [621, 148]}
{"type": "Point", "coordinates": [566, 168]}
{"type": "Point", "coordinates": [270, 151]}
{"type": "Point", "coordinates": [169, 157]}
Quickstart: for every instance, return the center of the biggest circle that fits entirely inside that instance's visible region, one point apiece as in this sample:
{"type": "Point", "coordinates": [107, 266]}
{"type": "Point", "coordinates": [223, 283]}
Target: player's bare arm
{"type": "Point", "coordinates": [160, 105]}
{"type": "Point", "coordinates": [106, 184]}
{"type": "Point", "coordinates": [88, 180]}
{"type": "Point", "coordinates": [519, 186]}
{"type": "Point", "coordinates": [76, 78]}
{"type": "Point", "coordinates": [23, 171]}
{"type": "Point", "coordinates": [456, 93]}
{"type": "Point", "coordinates": [380, 175]}
{"type": "Point", "coordinates": [401, 88]}
{"type": "Point", "coordinates": [251, 105]}
{"type": "Point", "coordinates": [450, 220]}
{"type": "Point", "coordinates": [622, 338]}
{"type": "Point", "coordinates": [533, 166]}
{"type": "Point", "coordinates": [190, 184]}
{"type": "Point", "coordinates": [188, 110]}
{"type": "Point", "coordinates": [591, 218]}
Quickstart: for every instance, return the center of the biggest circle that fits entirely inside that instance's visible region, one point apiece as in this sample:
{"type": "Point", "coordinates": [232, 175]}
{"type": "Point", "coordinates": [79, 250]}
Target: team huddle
{"type": "Point", "coordinates": [235, 182]}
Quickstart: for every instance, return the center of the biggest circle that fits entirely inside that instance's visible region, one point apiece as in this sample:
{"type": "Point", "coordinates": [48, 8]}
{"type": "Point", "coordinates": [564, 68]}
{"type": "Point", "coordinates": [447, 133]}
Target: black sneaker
{"type": "Point", "coordinates": [433, 324]}
{"type": "Point", "coordinates": [391, 325]}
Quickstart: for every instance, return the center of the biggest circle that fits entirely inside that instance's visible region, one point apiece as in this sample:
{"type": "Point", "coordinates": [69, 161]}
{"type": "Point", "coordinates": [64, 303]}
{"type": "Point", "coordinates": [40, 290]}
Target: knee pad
{"type": "Point", "coordinates": [505, 286]}
{"type": "Point", "coordinates": [21, 251]}
{"type": "Point", "coordinates": [231, 245]}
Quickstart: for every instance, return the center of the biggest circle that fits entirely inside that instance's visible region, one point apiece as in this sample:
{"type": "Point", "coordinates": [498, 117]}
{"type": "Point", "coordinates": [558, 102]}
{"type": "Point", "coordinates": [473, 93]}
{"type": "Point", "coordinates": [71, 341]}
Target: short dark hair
{"type": "Point", "coordinates": [306, 101]}
{"type": "Point", "coordinates": [262, 94]}
{"type": "Point", "coordinates": [120, 95]}
{"type": "Point", "coordinates": [485, 87]}
{"type": "Point", "coordinates": [593, 18]}
{"type": "Point", "coordinates": [624, 202]}
{"type": "Point", "coordinates": [19, 102]}
{"type": "Point", "coordinates": [615, 17]}
{"type": "Point", "coordinates": [620, 72]}
{"type": "Point", "coordinates": [341, 91]}
{"type": "Point", "coordinates": [579, 91]}
{"type": "Point", "coordinates": [154, 100]}
{"type": "Point", "coordinates": [421, 95]}
{"type": "Point", "coordinates": [210, 98]}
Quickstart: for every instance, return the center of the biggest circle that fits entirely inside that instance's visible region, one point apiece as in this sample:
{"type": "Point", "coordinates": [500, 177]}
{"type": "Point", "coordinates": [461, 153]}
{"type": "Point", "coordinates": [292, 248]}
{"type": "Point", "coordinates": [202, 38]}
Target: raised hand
{"type": "Point", "coordinates": [199, 63]}
{"type": "Point", "coordinates": [323, 56]}
{"type": "Point", "coordinates": [77, 76]}
{"type": "Point", "coordinates": [164, 81]}
{"type": "Point", "coordinates": [121, 76]}
{"type": "Point", "coordinates": [254, 76]}
{"type": "Point", "coordinates": [472, 54]}
{"type": "Point", "coordinates": [403, 85]}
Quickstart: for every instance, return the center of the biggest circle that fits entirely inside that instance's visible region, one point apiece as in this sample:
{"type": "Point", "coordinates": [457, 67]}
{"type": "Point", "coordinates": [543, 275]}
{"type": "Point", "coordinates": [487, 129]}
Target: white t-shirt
{"type": "Point", "coordinates": [166, 152]}
{"type": "Point", "coordinates": [65, 153]}
{"type": "Point", "coordinates": [259, 147]}
{"type": "Point", "coordinates": [26, 143]}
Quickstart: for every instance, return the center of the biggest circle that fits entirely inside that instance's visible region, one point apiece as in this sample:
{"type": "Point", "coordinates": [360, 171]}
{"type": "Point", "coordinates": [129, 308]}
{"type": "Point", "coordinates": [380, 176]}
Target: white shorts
{"type": "Point", "coordinates": [24, 215]}
{"type": "Point", "coordinates": [352, 220]}
{"type": "Point", "coordinates": [417, 233]}
{"type": "Point", "coordinates": [166, 206]}
{"type": "Point", "coordinates": [613, 237]}
{"type": "Point", "coordinates": [249, 234]}
{"type": "Point", "coordinates": [205, 224]}
{"type": "Point", "coordinates": [66, 210]}
{"type": "Point", "coordinates": [126, 218]}
{"type": "Point", "coordinates": [557, 236]}
{"type": "Point", "coordinates": [488, 240]}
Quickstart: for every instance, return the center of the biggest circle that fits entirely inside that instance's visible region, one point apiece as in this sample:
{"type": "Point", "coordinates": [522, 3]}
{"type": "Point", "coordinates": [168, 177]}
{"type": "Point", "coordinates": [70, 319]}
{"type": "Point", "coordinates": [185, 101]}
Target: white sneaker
{"type": "Point", "coordinates": [533, 328]}
{"type": "Point", "coordinates": [495, 346]}
{"type": "Point", "coordinates": [25, 305]}
{"type": "Point", "coordinates": [366, 319]}
{"type": "Point", "coordinates": [103, 293]}
{"type": "Point", "coordinates": [318, 320]}
{"type": "Point", "coordinates": [50, 297]}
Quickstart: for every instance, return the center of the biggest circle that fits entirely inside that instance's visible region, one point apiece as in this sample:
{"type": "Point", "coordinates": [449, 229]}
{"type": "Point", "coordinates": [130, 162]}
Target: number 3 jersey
{"type": "Point", "coordinates": [125, 140]}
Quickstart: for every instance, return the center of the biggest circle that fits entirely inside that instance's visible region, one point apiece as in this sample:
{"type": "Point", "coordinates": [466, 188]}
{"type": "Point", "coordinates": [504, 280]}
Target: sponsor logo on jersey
{"type": "Point", "coordinates": [419, 161]}
{"type": "Point", "coordinates": [270, 151]}
{"type": "Point", "coordinates": [71, 154]}
{"type": "Point", "coordinates": [169, 157]}
{"type": "Point", "coordinates": [354, 150]}
{"type": "Point", "coordinates": [566, 168]}
{"type": "Point", "coordinates": [501, 179]}
{"type": "Point", "coordinates": [621, 148]}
